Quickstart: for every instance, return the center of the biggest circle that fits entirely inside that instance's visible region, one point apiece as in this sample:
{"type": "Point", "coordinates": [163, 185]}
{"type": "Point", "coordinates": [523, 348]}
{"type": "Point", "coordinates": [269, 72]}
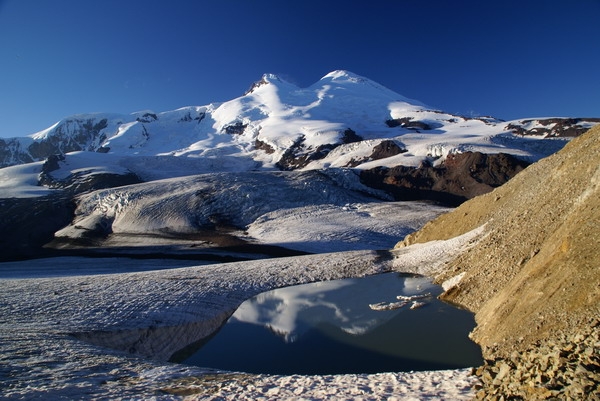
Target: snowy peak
{"type": "Point", "coordinates": [339, 82]}
{"type": "Point", "coordinates": [275, 79]}
{"type": "Point", "coordinates": [343, 76]}
{"type": "Point", "coordinates": [269, 79]}
{"type": "Point", "coordinates": [349, 81]}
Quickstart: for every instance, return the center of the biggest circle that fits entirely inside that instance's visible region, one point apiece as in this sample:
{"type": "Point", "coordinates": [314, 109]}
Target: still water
{"type": "Point", "coordinates": [333, 327]}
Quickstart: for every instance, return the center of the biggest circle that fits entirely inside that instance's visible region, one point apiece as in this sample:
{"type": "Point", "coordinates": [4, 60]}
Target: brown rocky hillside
{"type": "Point", "coordinates": [533, 279]}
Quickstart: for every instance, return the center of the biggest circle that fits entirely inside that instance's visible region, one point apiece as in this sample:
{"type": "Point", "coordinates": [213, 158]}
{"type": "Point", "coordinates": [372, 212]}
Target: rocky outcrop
{"type": "Point", "coordinates": [460, 177]}
{"type": "Point", "coordinates": [147, 118]}
{"type": "Point", "coordinates": [409, 123]}
{"type": "Point", "coordinates": [299, 155]}
{"type": "Point", "coordinates": [386, 148]}
{"type": "Point", "coordinates": [566, 368]}
{"type": "Point", "coordinates": [28, 223]}
{"type": "Point", "coordinates": [82, 181]}
{"type": "Point", "coordinates": [70, 135]}
{"type": "Point", "coordinates": [236, 128]}
{"type": "Point", "coordinates": [13, 152]}
{"type": "Point", "coordinates": [258, 144]}
{"type": "Point", "coordinates": [532, 278]}
{"type": "Point", "coordinates": [553, 127]}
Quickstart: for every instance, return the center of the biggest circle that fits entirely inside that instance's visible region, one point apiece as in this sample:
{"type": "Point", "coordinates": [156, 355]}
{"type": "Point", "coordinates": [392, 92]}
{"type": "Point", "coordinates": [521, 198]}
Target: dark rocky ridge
{"type": "Point", "coordinates": [408, 122]}
{"type": "Point", "coordinates": [460, 177]}
{"type": "Point", "coordinates": [26, 224]}
{"type": "Point", "coordinates": [554, 127]}
{"type": "Point", "coordinates": [387, 148]}
{"type": "Point", "coordinates": [298, 155]}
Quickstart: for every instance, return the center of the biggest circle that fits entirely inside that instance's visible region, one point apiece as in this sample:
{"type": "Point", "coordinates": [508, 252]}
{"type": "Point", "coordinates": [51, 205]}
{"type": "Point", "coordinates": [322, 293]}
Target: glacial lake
{"type": "Point", "coordinates": [338, 327]}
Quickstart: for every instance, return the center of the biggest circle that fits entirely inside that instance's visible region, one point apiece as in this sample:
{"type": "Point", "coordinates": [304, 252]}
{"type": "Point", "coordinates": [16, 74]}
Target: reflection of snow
{"type": "Point", "coordinates": [289, 312]}
{"type": "Point", "coordinates": [284, 310]}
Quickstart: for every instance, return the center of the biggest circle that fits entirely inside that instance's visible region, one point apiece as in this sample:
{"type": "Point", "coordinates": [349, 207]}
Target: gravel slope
{"type": "Point", "coordinates": [533, 277]}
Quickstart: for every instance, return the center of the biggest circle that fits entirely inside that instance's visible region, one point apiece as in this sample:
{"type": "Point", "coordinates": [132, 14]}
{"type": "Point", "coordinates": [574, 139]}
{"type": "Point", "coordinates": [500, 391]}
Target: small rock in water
{"type": "Point", "coordinates": [417, 304]}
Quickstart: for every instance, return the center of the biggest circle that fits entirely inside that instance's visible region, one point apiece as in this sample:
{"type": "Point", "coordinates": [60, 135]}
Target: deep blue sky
{"type": "Point", "coordinates": [509, 59]}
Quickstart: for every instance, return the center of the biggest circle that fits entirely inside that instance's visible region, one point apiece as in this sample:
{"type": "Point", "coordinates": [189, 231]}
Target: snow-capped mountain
{"type": "Point", "coordinates": [336, 122]}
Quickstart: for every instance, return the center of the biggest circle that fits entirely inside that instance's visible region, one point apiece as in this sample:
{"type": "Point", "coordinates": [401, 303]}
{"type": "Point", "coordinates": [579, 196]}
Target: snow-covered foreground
{"type": "Point", "coordinates": [109, 336]}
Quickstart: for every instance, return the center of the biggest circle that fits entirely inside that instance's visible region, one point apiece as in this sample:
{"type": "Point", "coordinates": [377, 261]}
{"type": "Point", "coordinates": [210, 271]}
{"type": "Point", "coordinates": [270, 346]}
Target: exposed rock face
{"type": "Point", "coordinates": [32, 222]}
{"type": "Point", "coordinates": [71, 135]}
{"type": "Point", "coordinates": [258, 144]}
{"type": "Point", "coordinates": [460, 177]}
{"type": "Point", "coordinates": [146, 118]}
{"type": "Point", "coordinates": [552, 127]}
{"type": "Point", "coordinates": [566, 368]}
{"type": "Point", "coordinates": [386, 149]}
{"type": "Point", "coordinates": [532, 278]}
{"type": "Point", "coordinates": [81, 181]}
{"type": "Point", "coordinates": [256, 85]}
{"type": "Point", "coordinates": [13, 152]}
{"type": "Point", "coordinates": [235, 129]}
{"type": "Point", "coordinates": [408, 122]}
{"type": "Point", "coordinates": [298, 155]}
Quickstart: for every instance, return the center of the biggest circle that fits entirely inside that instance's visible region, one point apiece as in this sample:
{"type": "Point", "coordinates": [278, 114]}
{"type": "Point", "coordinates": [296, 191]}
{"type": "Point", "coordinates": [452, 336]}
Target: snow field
{"type": "Point", "coordinates": [157, 312]}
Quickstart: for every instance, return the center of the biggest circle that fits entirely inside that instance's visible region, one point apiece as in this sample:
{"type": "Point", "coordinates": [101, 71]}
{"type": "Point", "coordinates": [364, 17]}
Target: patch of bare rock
{"type": "Point", "coordinates": [562, 368]}
{"type": "Point", "coordinates": [533, 278]}
{"type": "Point", "coordinates": [459, 177]}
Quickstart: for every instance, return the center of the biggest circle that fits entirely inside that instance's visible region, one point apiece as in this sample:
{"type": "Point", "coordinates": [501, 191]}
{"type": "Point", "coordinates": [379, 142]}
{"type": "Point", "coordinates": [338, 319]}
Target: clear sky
{"type": "Point", "coordinates": [505, 58]}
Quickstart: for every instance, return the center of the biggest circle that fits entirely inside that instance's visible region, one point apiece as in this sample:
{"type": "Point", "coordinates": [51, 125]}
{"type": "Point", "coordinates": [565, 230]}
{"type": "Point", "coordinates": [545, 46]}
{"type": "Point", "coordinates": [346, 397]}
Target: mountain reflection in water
{"type": "Point", "coordinates": [328, 327]}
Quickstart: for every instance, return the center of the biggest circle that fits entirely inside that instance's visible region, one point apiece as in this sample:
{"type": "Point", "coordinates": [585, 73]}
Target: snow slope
{"type": "Point", "coordinates": [21, 181]}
